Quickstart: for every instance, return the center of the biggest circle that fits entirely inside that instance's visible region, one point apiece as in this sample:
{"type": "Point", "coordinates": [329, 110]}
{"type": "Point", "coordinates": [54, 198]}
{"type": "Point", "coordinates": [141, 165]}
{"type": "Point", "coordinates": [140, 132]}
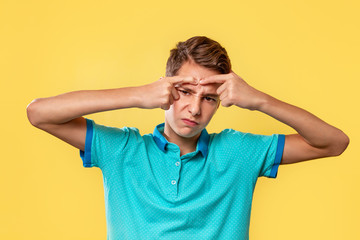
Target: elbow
{"type": "Point", "coordinates": [340, 145]}
{"type": "Point", "coordinates": [32, 111]}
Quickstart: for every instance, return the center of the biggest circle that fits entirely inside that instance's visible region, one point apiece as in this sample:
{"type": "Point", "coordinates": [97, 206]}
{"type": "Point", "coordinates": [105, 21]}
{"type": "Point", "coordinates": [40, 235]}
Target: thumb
{"type": "Point", "coordinates": [175, 94]}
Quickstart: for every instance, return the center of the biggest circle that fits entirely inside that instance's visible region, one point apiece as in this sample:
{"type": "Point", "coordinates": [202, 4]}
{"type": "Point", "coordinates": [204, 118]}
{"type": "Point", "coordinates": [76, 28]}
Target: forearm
{"type": "Point", "coordinates": [315, 131]}
{"type": "Point", "coordinates": [65, 107]}
{"type": "Point", "coordinates": [315, 138]}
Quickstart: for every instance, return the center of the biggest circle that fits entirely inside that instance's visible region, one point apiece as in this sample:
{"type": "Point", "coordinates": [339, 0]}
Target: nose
{"type": "Point", "coordinates": [195, 106]}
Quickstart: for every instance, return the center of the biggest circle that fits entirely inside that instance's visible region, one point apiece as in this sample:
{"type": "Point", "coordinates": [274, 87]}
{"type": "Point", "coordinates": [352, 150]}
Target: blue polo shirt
{"type": "Point", "coordinates": [151, 192]}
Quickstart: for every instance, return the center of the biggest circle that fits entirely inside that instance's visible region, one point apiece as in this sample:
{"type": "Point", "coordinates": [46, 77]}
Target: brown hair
{"type": "Point", "coordinates": [203, 51]}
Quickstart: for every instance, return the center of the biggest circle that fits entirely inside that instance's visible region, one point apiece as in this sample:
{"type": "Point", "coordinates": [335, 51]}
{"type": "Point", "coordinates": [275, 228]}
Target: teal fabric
{"type": "Point", "coordinates": [153, 193]}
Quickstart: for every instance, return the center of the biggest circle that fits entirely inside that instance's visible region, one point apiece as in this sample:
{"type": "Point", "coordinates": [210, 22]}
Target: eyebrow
{"type": "Point", "coordinates": [214, 95]}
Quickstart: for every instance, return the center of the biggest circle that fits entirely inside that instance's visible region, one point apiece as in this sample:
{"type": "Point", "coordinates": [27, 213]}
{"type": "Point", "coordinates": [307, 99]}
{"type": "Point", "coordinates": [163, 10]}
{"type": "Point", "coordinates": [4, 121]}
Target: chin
{"type": "Point", "coordinates": [188, 132]}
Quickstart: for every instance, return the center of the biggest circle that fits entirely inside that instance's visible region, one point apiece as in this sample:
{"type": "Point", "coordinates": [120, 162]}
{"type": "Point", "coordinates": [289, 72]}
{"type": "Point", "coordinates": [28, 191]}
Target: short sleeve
{"type": "Point", "coordinates": [272, 159]}
{"type": "Point", "coordinates": [259, 154]}
{"type": "Point", "coordinates": [264, 153]}
{"type": "Point", "coordinates": [104, 145]}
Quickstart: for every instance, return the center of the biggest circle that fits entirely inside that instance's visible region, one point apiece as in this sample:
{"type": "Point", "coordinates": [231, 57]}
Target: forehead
{"type": "Point", "coordinates": [192, 69]}
{"type": "Point", "coordinates": [202, 89]}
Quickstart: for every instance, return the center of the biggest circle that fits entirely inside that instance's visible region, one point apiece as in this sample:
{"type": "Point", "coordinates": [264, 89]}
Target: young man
{"type": "Point", "coordinates": [181, 182]}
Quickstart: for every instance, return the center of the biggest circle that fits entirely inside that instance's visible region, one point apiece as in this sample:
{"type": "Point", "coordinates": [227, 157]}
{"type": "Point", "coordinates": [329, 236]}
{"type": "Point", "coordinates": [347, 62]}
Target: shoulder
{"type": "Point", "coordinates": [227, 133]}
{"type": "Point", "coordinates": [234, 136]}
{"type": "Point", "coordinates": [111, 131]}
{"type": "Point", "coordinates": [112, 128]}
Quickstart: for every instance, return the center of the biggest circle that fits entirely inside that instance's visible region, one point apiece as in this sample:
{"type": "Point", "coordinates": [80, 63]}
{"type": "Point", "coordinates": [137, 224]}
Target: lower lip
{"type": "Point", "coordinates": [189, 122]}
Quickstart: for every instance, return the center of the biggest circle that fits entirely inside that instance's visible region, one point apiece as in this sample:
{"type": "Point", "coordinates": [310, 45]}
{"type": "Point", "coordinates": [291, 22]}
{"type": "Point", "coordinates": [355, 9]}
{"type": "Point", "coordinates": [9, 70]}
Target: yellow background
{"type": "Point", "coordinates": [302, 52]}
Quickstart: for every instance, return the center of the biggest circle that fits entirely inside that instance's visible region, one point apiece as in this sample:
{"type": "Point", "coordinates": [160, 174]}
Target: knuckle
{"type": "Point", "coordinates": [164, 101]}
{"type": "Point", "coordinates": [167, 91]}
{"type": "Point", "coordinates": [166, 106]}
{"type": "Point", "coordinates": [169, 86]}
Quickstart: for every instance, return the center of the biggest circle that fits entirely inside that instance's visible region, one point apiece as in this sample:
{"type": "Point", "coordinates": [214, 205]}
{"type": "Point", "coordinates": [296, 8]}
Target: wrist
{"type": "Point", "coordinates": [138, 95]}
{"type": "Point", "coordinates": [263, 101]}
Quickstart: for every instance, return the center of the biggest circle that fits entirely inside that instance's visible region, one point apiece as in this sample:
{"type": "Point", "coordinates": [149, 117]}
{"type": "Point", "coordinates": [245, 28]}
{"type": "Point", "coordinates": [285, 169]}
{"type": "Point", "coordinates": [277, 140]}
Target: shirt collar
{"type": "Point", "coordinates": [161, 142]}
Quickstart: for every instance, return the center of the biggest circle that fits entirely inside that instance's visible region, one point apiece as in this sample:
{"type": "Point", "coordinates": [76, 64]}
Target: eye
{"type": "Point", "coordinates": [210, 99]}
{"type": "Point", "coordinates": [184, 92]}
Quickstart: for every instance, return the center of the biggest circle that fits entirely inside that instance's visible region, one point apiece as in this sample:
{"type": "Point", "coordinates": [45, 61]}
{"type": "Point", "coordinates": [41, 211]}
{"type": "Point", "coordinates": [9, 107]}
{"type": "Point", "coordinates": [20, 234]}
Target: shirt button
{"type": "Point", "coordinates": [177, 163]}
{"type": "Point", "coordinates": [173, 182]}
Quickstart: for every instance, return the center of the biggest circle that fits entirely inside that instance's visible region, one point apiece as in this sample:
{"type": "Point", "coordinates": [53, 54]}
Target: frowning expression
{"type": "Point", "coordinates": [197, 104]}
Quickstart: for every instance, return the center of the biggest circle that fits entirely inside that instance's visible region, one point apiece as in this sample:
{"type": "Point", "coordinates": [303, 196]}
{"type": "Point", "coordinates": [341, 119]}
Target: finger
{"type": "Point", "coordinates": [165, 106]}
{"type": "Point", "coordinates": [226, 104]}
{"type": "Point", "coordinates": [224, 100]}
{"type": "Point", "coordinates": [171, 100]}
{"type": "Point", "coordinates": [175, 94]}
{"type": "Point", "coordinates": [221, 89]}
{"type": "Point", "coordinates": [220, 78]}
{"type": "Point", "coordinates": [223, 96]}
{"type": "Point", "coordinates": [183, 79]}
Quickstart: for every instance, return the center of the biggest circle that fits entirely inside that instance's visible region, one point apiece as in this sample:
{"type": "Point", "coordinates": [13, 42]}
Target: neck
{"type": "Point", "coordinates": [186, 145]}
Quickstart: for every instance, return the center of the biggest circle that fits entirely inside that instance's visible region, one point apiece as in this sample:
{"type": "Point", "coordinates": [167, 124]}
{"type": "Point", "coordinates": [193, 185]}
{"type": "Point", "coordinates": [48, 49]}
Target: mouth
{"type": "Point", "coordinates": [189, 122]}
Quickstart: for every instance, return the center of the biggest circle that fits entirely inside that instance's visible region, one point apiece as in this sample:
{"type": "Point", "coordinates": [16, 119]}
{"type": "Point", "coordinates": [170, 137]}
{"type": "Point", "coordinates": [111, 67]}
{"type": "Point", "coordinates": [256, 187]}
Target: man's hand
{"type": "Point", "coordinates": [235, 91]}
{"type": "Point", "coordinates": [162, 93]}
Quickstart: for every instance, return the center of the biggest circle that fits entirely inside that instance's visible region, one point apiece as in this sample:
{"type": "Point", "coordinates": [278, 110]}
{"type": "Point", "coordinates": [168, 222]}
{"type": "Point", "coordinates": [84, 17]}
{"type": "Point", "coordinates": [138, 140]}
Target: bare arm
{"type": "Point", "coordinates": [61, 115]}
{"type": "Point", "coordinates": [315, 138]}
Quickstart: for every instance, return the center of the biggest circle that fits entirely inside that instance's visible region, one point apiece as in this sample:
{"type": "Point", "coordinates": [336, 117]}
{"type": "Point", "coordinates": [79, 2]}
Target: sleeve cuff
{"type": "Point", "coordinates": [278, 155]}
{"type": "Point", "coordinates": [86, 155]}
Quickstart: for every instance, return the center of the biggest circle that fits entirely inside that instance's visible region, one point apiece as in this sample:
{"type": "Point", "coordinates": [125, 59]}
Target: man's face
{"type": "Point", "coordinates": [197, 104]}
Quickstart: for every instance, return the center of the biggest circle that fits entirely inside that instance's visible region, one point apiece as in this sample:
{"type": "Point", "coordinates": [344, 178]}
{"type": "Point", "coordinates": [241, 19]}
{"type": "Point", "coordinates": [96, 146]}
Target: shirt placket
{"type": "Point", "coordinates": [175, 165]}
